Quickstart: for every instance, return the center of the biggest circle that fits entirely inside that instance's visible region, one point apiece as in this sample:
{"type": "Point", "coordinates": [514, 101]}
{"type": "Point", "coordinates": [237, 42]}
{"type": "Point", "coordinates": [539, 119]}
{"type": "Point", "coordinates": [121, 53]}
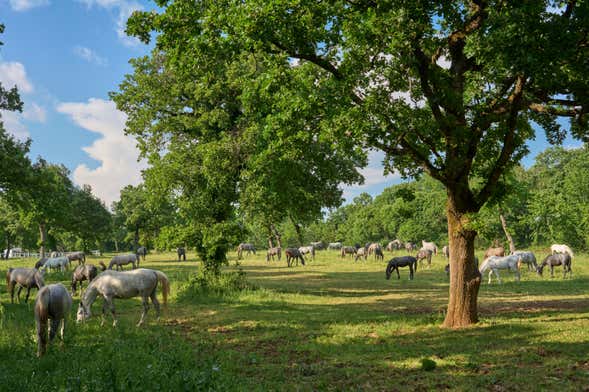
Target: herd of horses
{"type": "Point", "coordinates": [494, 258]}
{"type": "Point", "coordinates": [54, 302]}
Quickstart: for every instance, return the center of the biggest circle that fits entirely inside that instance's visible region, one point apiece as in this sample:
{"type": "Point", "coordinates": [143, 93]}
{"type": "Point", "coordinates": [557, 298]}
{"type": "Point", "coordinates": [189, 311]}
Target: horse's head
{"type": "Point", "coordinates": [539, 269]}
{"type": "Point", "coordinates": [83, 313]}
{"type": "Point", "coordinates": [389, 270]}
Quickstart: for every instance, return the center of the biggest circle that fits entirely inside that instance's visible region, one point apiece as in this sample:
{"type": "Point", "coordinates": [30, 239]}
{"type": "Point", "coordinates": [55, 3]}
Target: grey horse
{"type": "Point", "coordinates": [245, 247]}
{"type": "Point", "coordinates": [276, 251]}
{"type": "Point", "coordinates": [293, 254]}
{"type": "Point", "coordinates": [80, 256]}
{"type": "Point", "coordinates": [52, 302]}
{"type": "Point", "coordinates": [141, 251]}
{"type": "Point", "coordinates": [85, 272]}
{"type": "Point", "coordinates": [25, 277]}
{"type": "Point", "coordinates": [120, 260]}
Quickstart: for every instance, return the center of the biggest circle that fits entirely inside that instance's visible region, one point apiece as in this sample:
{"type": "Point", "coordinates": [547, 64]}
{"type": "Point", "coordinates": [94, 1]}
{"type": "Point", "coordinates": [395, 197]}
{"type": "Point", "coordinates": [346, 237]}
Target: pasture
{"type": "Point", "coordinates": [331, 325]}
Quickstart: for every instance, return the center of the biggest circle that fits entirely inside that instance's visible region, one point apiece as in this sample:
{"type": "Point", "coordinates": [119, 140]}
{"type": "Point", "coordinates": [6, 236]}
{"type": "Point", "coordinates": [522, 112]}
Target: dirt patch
{"type": "Point", "coordinates": [534, 306]}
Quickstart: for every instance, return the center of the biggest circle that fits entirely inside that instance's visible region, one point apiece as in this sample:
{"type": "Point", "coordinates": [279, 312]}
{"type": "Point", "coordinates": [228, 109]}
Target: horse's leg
{"type": "Point", "coordinates": [62, 331]}
{"type": "Point", "coordinates": [145, 309]}
{"type": "Point", "coordinates": [11, 289]}
{"type": "Point", "coordinates": [498, 277]}
{"type": "Point", "coordinates": [28, 293]}
{"type": "Point", "coordinates": [18, 293]}
{"type": "Point", "coordinates": [53, 328]}
{"type": "Point", "coordinates": [103, 315]}
{"type": "Point", "coordinates": [552, 271]}
{"type": "Point", "coordinates": [155, 302]}
{"type": "Point", "coordinates": [490, 273]}
{"type": "Point", "coordinates": [112, 310]}
{"type": "Point", "coordinates": [398, 275]}
{"type": "Point", "coordinates": [410, 271]}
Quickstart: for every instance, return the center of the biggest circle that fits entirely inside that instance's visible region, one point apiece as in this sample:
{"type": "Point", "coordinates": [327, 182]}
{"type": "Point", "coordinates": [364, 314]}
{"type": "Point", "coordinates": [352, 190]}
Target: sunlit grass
{"type": "Point", "coordinates": [331, 325]}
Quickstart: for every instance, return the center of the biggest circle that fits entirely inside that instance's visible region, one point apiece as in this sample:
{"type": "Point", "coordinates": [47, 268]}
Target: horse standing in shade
{"type": "Point", "coordinates": [276, 251]}
{"type": "Point", "coordinates": [403, 261]}
{"type": "Point", "coordinates": [529, 258]}
{"type": "Point", "coordinates": [52, 302]}
{"type": "Point", "coordinates": [293, 254]}
{"type": "Point", "coordinates": [494, 263]}
{"type": "Point", "coordinates": [80, 256]}
{"type": "Point", "coordinates": [557, 259]}
{"type": "Point", "coordinates": [141, 251]}
{"type": "Point", "coordinates": [347, 250]}
{"type": "Point", "coordinates": [308, 250]}
{"type": "Point", "coordinates": [63, 263]}
{"type": "Point", "coordinates": [498, 251]}
{"type": "Point", "coordinates": [561, 248]}
{"type": "Point", "coordinates": [127, 284]}
{"type": "Point", "coordinates": [24, 277]}
{"type": "Point", "coordinates": [429, 246]}
{"type": "Point", "coordinates": [394, 245]}
{"type": "Point", "coordinates": [119, 260]}
{"type": "Point", "coordinates": [334, 246]}
{"type": "Point", "coordinates": [424, 254]}
{"type": "Point", "coordinates": [446, 251]}
{"type": "Point", "coordinates": [377, 250]}
{"type": "Point", "coordinates": [361, 252]}
{"type": "Point", "coordinates": [181, 252]}
{"type": "Point", "coordinates": [410, 246]}
{"type": "Point", "coordinates": [85, 272]}
{"type": "Point", "coordinates": [245, 247]}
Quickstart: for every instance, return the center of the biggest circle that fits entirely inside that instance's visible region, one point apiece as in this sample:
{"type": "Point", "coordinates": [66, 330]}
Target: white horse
{"type": "Point", "coordinates": [305, 250]}
{"type": "Point", "coordinates": [52, 302]}
{"type": "Point", "coordinates": [127, 284]}
{"type": "Point", "coordinates": [529, 258]}
{"type": "Point", "coordinates": [429, 246]}
{"type": "Point", "coordinates": [62, 263]}
{"type": "Point", "coordinates": [494, 263]}
{"type": "Point", "coordinates": [334, 246]}
{"type": "Point", "coordinates": [561, 248]}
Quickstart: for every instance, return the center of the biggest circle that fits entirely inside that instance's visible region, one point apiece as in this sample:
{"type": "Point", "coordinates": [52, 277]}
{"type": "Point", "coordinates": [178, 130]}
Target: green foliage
{"type": "Point", "coordinates": [428, 364]}
{"type": "Point", "coordinates": [203, 285]}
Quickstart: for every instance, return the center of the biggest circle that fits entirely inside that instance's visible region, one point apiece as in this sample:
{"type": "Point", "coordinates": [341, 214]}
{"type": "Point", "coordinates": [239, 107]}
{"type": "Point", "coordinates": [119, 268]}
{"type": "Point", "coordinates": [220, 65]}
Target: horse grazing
{"type": "Point", "coordinates": [556, 248]}
{"type": "Point", "coordinates": [62, 262]}
{"type": "Point", "coordinates": [361, 252]}
{"type": "Point", "coordinates": [424, 254]}
{"type": "Point", "coordinates": [446, 251]}
{"type": "Point", "coordinates": [40, 263]}
{"type": "Point", "coordinates": [410, 246]}
{"type": "Point", "coordinates": [498, 251]}
{"type": "Point", "coordinates": [85, 272]}
{"type": "Point", "coordinates": [394, 245]}
{"type": "Point", "coordinates": [25, 277]}
{"type": "Point", "coordinates": [245, 247]}
{"type": "Point", "coordinates": [55, 254]}
{"type": "Point", "coordinates": [120, 260]}
{"type": "Point", "coordinates": [334, 246]}
{"type": "Point", "coordinates": [377, 250]}
{"type": "Point", "coordinates": [181, 252]}
{"type": "Point", "coordinates": [347, 250]}
{"type": "Point", "coordinates": [494, 263]}
{"type": "Point", "coordinates": [276, 251]}
{"type": "Point", "coordinates": [293, 254]}
{"type": "Point", "coordinates": [318, 245]}
{"type": "Point", "coordinates": [141, 251]}
{"type": "Point", "coordinates": [403, 261]}
{"type": "Point", "coordinates": [126, 284]}
{"type": "Point", "coordinates": [557, 259]}
{"type": "Point", "coordinates": [308, 250]}
{"type": "Point", "coordinates": [529, 258]}
{"type": "Point", "coordinates": [429, 246]}
{"type": "Point", "coordinates": [52, 302]}
{"type": "Point", "coordinates": [80, 256]}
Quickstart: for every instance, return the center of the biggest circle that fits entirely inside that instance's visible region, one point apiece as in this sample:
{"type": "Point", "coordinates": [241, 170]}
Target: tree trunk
{"type": "Point", "coordinates": [465, 278]}
{"type": "Point", "coordinates": [43, 234]}
{"type": "Point", "coordinates": [298, 230]}
{"type": "Point", "coordinates": [270, 245]}
{"type": "Point", "coordinates": [277, 236]}
{"type": "Point", "coordinates": [136, 239]}
{"type": "Point", "coordinates": [116, 245]}
{"type": "Point", "coordinates": [509, 238]}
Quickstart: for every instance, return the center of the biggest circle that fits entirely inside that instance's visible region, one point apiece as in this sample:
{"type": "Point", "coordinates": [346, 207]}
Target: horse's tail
{"type": "Point", "coordinates": [163, 279]}
{"type": "Point", "coordinates": [570, 252]}
{"type": "Point", "coordinates": [102, 266]}
{"type": "Point", "coordinates": [41, 319]}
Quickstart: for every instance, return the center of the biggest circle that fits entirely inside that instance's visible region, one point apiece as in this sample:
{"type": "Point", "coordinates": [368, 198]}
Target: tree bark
{"type": "Point", "coordinates": [509, 238]}
{"type": "Point", "coordinates": [277, 236]}
{"type": "Point", "coordinates": [298, 230]}
{"type": "Point", "coordinates": [43, 235]}
{"type": "Point", "coordinates": [136, 238]}
{"type": "Point", "coordinates": [465, 278]}
{"type": "Point", "coordinates": [270, 244]}
{"type": "Point", "coordinates": [116, 245]}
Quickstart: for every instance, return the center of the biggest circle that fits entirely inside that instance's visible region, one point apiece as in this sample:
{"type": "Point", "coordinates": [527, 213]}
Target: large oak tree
{"type": "Point", "coordinates": [449, 88]}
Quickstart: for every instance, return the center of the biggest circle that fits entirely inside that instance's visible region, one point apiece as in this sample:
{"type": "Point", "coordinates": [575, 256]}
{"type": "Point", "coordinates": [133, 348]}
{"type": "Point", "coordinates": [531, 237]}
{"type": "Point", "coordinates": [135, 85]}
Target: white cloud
{"type": "Point", "coordinates": [116, 152]}
{"type": "Point", "coordinates": [374, 179]}
{"type": "Point", "coordinates": [13, 73]}
{"type": "Point", "coordinates": [124, 9]}
{"type": "Point", "coordinates": [25, 5]}
{"type": "Point", "coordinates": [90, 56]}
{"type": "Point", "coordinates": [13, 121]}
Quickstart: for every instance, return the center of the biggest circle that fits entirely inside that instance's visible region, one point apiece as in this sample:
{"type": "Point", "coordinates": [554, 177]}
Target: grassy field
{"type": "Point", "coordinates": [331, 325]}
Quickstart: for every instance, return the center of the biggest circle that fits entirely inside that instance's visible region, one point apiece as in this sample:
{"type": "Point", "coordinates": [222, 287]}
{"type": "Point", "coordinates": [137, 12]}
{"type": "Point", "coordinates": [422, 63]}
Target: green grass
{"type": "Point", "coordinates": [331, 325]}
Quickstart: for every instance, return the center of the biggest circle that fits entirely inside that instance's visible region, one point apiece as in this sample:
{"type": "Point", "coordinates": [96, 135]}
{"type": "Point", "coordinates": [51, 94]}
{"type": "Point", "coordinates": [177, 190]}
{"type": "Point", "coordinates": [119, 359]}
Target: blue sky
{"type": "Point", "coordinates": [65, 56]}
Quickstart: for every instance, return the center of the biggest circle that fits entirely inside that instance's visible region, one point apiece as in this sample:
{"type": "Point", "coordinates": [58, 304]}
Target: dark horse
{"type": "Point", "coordinates": [85, 272]}
{"type": "Point", "coordinates": [181, 253]}
{"type": "Point", "coordinates": [293, 254]}
{"type": "Point", "coordinates": [556, 259]}
{"type": "Point", "coordinates": [404, 261]}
